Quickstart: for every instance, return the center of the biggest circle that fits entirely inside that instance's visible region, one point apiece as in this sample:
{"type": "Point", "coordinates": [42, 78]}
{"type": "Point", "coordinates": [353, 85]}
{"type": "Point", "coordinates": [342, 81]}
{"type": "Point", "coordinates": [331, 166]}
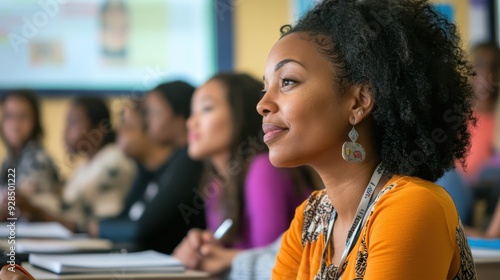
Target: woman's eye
{"type": "Point", "coordinates": [207, 109]}
{"type": "Point", "coordinates": [151, 111]}
{"type": "Point", "coordinates": [263, 92]}
{"type": "Point", "coordinates": [287, 82]}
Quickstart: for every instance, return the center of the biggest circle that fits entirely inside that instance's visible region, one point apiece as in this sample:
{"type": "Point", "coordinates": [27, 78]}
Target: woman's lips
{"type": "Point", "coordinates": [272, 131]}
{"type": "Point", "coordinates": [192, 137]}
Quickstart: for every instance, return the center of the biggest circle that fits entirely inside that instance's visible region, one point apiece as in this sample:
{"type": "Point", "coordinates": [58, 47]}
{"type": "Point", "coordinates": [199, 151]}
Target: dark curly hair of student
{"type": "Point", "coordinates": [409, 55]}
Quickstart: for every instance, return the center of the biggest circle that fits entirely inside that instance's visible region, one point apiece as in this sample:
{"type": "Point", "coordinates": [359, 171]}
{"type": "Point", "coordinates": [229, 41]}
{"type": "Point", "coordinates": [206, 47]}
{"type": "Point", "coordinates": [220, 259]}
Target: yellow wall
{"type": "Point", "coordinates": [461, 10]}
{"type": "Point", "coordinates": [53, 120]}
{"type": "Point", "coordinates": [257, 24]}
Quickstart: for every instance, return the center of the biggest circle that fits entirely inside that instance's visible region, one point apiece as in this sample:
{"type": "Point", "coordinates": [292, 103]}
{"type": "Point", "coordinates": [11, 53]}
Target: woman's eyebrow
{"type": "Point", "coordinates": [205, 98]}
{"type": "Point", "coordinates": [286, 61]}
{"type": "Point", "coordinates": [283, 63]}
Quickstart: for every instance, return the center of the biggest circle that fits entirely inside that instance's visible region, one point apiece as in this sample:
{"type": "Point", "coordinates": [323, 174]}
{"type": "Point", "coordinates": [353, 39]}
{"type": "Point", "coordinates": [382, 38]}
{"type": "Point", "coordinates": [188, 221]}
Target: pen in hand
{"type": "Point", "coordinates": [223, 229]}
{"type": "Point", "coordinates": [218, 234]}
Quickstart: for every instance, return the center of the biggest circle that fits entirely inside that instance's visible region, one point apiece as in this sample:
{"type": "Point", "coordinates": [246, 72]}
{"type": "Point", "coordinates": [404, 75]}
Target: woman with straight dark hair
{"type": "Point", "coordinates": [21, 130]}
{"type": "Point", "coordinates": [239, 183]}
{"type": "Point", "coordinates": [168, 180]}
{"type": "Point", "coordinates": [98, 187]}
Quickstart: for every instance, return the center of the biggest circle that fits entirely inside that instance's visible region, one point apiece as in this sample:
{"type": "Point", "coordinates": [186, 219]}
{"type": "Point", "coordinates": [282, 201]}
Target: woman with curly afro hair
{"type": "Point", "coordinates": [374, 95]}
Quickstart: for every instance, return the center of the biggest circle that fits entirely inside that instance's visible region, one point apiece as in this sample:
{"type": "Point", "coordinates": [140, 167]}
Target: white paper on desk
{"type": "Point", "coordinates": [61, 246]}
{"type": "Point", "coordinates": [146, 261]}
{"type": "Point", "coordinates": [36, 230]}
{"type": "Point", "coordinates": [485, 255]}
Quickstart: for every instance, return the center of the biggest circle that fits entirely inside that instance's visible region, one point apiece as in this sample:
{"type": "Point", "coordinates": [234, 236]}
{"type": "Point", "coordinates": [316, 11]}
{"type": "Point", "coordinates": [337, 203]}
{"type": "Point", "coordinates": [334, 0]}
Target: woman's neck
{"type": "Point", "coordinates": [96, 149]}
{"type": "Point", "coordinates": [155, 156]}
{"type": "Point", "coordinates": [220, 162]}
{"type": "Point", "coordinates": [181, 140]}
{"type": "Point", "coordinates": [16, 151]}
{"type": "Point", "coordinates": [345, 184]}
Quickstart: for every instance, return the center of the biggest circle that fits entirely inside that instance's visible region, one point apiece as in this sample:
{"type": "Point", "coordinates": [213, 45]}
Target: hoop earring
{"type": "Point", "coordinates": [352, 151]}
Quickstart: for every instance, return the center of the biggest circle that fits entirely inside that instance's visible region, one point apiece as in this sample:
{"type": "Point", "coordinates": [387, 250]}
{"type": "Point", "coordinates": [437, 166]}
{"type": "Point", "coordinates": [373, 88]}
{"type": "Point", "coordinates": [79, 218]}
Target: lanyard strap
{"type": "Point", "coordinates": [356, 226]}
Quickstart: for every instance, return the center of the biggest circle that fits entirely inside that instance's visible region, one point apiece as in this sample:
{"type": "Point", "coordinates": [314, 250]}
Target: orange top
{"type": "Point", "coordinates": [412, 232]}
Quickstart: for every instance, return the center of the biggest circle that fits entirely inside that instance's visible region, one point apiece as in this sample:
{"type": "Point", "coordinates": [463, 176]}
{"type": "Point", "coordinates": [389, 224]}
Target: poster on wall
{"type": "Point", "coordinates": [105, 44]}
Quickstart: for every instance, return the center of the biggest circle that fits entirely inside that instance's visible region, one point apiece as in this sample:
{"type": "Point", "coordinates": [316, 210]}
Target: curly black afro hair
{"type": "Point", "coordinates": [410, 56]}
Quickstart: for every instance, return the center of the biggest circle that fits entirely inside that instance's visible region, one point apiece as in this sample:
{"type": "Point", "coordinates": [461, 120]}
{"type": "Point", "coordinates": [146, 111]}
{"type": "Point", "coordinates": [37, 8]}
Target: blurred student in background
{"type": "Point", "coordinates": [239, 183]}
{"type": "Point", "coordinates": [460, 183]}
{"type": "Point", "coordinates": [98, 186]}
{"type": "Point", "coordinates": [492, 166]}
{"type": "Point", "coordinates": [486, 59]}
{"type": "Point", "coordinates": [167, 177]}
{"type": "Point", "coordinates": [36, 175]}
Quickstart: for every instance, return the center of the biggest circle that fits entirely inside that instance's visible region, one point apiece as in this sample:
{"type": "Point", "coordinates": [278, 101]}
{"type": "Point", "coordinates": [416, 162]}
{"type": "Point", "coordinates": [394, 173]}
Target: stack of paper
{"type": "Point", "coordinates": [62, 246]}
{"type": "Point", "coordinates": [485, 254]}
{"type": "Point", "coordinates": [146, 261]}
{"type": "Point", "coordinates": [35, 230]}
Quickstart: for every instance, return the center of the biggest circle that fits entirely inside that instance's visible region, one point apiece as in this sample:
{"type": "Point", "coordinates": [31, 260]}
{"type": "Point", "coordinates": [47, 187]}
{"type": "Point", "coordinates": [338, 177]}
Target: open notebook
{"type": "Point", "coordinates": [146, 261]}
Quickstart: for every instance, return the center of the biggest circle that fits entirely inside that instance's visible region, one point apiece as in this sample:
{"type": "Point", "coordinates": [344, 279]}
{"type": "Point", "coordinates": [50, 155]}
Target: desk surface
{"type": "Point", "coordinates": [488, 267]}
{"type": "Point", "coordinates": [41, 274]}
{"type": "Point", "coordinates": [487, 263]}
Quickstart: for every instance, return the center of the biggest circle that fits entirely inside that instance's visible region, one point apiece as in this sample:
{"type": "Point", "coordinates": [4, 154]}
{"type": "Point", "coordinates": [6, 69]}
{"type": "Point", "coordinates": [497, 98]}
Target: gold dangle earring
{"type": "Point", "coordinates": [352, 151]}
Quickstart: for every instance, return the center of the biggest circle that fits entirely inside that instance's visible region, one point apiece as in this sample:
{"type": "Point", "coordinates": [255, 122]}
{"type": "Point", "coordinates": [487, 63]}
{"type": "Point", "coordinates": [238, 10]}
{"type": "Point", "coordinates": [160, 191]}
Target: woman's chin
{"type": "Point", "coordinates": [195, 154]}
{"type": "Point", "coordinates": [281, 160]}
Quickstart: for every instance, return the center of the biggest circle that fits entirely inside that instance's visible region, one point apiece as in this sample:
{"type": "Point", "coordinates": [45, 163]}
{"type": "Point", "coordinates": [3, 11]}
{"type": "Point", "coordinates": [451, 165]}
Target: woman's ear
{"type": "Point", "coordinates": [363, 102]}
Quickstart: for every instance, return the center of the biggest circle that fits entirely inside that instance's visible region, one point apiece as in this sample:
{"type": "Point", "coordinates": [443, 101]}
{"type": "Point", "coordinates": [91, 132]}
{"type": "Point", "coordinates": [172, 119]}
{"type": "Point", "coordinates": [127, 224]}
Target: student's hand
{"type": "Point", "coordinates": [188, 251]}
{"type": "Point", "coordinates": [216, 259]}
{"type": "Point", "coordinates": [25, 209]}
{"type": "Point", "coordinates": [93, 228]}
{"type": "Point", "coordinates": [13, 274]}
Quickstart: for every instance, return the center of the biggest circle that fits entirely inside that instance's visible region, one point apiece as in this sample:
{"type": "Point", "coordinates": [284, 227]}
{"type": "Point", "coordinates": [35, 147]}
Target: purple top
{"type": "Point", "coordinates": [270, 200]}
{"type": "Point", "coordinates": [494, 161]}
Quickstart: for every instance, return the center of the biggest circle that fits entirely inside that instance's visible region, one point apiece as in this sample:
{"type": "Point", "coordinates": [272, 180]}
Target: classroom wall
{"type": "Point", "coordinates": [461, 14]}
{"type": "Point", "coordinates": [257, 24]}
